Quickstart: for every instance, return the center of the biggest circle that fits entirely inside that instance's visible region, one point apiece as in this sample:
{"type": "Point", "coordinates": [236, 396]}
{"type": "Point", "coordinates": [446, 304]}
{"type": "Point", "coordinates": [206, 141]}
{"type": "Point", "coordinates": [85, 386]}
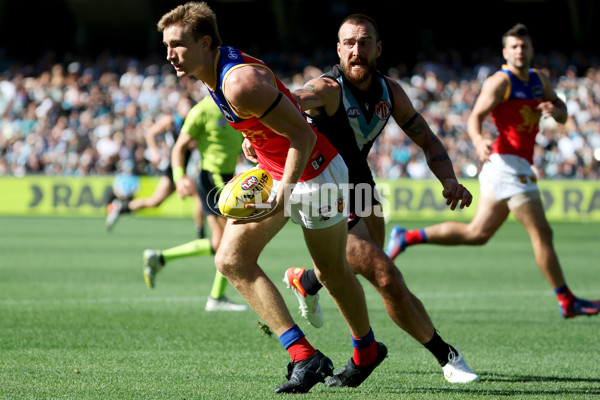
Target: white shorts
{"type": "Point", "coordinates": [507, 177]}
{"type": "Point", "coordinates": [320, 202]}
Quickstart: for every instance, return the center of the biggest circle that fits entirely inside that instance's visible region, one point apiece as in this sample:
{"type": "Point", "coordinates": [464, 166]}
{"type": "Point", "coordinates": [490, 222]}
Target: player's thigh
{"type": "Point", "coordinates": [489, 216]}
{"type": "Point", "coordinates": [216, 225]}
{"type": "Point", "coordinates": [532, 216]}
{"type": "Point", "coordinates": [163, 189]}
{"type": "Point", "coordinates": [327, 246]}
{"type": "Point", "coordinates": [364, 256]}
{"type": "Point", "coordinates": [376, 225]}
{"type": "Point", "coordinates": [242, 243]}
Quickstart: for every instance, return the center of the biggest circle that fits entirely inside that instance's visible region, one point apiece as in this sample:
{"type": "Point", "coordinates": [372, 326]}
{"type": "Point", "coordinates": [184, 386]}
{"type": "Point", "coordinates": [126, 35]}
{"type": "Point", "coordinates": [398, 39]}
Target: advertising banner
{"type": "Point", "coordinates": [403, 199]}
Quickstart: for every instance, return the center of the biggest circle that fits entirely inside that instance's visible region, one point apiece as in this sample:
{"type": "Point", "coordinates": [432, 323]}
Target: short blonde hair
{"type": "Point", "coordinates": [199, 18]}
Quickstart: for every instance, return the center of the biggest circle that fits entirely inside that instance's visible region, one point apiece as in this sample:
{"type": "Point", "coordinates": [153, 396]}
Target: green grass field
{"type": "Point", "coordinates": [77, 321]}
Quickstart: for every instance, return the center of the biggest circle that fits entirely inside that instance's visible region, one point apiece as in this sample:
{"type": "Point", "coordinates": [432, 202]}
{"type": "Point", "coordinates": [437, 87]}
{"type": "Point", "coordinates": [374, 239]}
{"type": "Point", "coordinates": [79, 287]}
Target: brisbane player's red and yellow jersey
{"type": "Point", "coordinates": [271, 148]}
{"type": "Point", "coordinates": [517, 117]}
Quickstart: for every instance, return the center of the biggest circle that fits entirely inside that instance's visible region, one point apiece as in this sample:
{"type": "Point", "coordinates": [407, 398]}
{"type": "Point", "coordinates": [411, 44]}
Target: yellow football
{"type": "Point", "coordinates": [251, 186]}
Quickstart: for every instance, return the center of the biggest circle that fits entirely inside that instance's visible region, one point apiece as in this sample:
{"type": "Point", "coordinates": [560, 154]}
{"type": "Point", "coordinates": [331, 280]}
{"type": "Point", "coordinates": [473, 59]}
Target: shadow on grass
{"type": "Point", "coordinates": [559, 393]}
{"type": "Point", "coordinates": [479, 389]}
{"type": "Point", "coordinates": [533, 378]}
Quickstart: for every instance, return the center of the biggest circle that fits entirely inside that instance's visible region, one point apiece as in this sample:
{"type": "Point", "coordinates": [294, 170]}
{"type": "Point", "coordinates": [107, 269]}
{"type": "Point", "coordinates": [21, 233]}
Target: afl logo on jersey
{"type": "Point", "coordinates": [383, 110]}
{"type": "Point", "coordinates": [353, 112]}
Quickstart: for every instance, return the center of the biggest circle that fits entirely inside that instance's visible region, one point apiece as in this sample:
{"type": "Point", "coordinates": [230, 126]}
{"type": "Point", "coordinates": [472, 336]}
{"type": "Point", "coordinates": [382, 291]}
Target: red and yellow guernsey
{"type": "Point", "coordinates": [271, 148]}
{"type": "Point", "coordinates": [517, 117]}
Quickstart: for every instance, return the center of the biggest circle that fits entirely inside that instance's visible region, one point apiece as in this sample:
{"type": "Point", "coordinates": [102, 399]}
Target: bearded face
{"type": "Point", "coordinates": [358, 50]}
{"type": "Point", "coordinates": [358, 69]}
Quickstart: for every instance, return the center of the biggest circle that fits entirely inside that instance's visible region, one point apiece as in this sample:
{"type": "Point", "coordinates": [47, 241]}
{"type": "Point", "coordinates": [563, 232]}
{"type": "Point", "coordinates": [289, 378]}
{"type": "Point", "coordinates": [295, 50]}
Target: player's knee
{"type": "Point", "coordinates": [392, 288]}
{"type": "Point", "coordinates": [224, 263]}
{"type": "Point", "coordinates": [389, 279]}
{"type": "Point", "coordinates": [480, 238]}
{"type": "Point", "coordinates": [544, 235]}
{"type": "Point", "coordinates": [156, 202]}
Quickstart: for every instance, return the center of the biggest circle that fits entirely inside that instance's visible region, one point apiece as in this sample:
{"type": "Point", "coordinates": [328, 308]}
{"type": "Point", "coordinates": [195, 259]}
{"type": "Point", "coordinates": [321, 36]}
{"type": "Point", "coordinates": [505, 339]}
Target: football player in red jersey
{"type": "Point", "coordinates": [517, 96]}
{"type": "Point", "coordinates": [256, 103]}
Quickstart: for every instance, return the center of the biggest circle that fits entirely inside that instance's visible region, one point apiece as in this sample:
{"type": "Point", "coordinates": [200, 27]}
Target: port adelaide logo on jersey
{"type": "Point", "coordinates": [383, 110]}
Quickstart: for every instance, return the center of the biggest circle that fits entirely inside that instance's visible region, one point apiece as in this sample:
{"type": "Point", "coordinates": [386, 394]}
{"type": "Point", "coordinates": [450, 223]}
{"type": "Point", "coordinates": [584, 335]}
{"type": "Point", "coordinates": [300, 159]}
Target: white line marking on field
{"type": "Point", "coordinates": [124, 300]}
{"type": "Point", "coordinates": [196, 299]}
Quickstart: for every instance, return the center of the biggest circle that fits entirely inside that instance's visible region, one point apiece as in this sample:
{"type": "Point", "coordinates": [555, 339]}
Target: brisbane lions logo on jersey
{"type": "Point", "coordinates": [383, 110]}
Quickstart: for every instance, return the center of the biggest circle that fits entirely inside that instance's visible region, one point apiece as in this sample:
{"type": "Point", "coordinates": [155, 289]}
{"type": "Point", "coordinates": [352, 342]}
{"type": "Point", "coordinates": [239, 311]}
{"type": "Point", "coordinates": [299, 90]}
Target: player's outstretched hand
{"type": "Point", "coordinates": [456, 194]}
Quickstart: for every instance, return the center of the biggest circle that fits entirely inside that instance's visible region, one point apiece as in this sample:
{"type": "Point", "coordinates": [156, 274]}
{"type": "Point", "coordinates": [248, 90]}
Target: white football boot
{"type": "Point", "coordinates": [457, 370]}
{"type": "Point", "coordinates": [223, 304]}
{"type": "Point", "coordinates": [113, 210]}
{"type": "Point", "coordinates": [152, 265]}
{"type": "Point", "coordinates": [309, 304]}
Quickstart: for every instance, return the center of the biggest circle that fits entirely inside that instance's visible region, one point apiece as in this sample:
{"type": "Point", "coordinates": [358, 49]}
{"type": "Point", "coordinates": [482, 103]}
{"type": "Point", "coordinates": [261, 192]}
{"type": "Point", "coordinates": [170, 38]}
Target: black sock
{"type": "Point", "coordinates": [439, 348]}
{"type": "Point", "coordinates": [125, 208]}
{"type": "Point", "coordinates": [200, 232]}
{"type": "Point", "coordinates": [309, 282]}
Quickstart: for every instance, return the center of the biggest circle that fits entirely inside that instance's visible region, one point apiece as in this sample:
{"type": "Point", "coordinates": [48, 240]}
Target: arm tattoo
{"type": "Point", "coordinates": [440, 157]}
{"type": "Point", "coordinates": [308, 89]}
{"type": "Point", "coordinates": [415, 126]}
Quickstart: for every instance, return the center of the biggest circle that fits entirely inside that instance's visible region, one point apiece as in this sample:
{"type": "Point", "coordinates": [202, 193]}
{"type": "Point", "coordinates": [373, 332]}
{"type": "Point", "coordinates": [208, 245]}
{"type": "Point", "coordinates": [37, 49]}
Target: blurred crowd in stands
{"type": "Point", "coordinates": [80, 117]}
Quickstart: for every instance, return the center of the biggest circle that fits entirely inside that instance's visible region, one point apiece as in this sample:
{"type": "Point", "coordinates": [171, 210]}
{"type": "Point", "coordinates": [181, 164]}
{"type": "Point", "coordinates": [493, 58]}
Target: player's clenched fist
{"type": "Point", "coordinates": [456, 194]}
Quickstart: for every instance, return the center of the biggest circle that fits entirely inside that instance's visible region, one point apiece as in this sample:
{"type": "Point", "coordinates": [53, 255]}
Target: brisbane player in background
{"type": "Point", "coordinates": [517, 96]}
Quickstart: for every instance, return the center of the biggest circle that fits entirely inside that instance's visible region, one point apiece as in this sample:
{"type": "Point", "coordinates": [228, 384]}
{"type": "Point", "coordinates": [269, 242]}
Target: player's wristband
{"type": "Point", "coordinates": [178, 173]}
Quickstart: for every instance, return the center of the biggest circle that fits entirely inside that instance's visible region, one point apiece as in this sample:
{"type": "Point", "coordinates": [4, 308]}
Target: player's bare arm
{"type": "Point", "coordinates": [552, 106]}
{"type": "Point", "coordinates": [492, 93]}
{"type": "Point", "coordinates": [319, 95]}
{"type": "Point", "coordinates": [251, 91]}
{"type": "Point", "coordinates": [417, 129]}
{"type": "Point", "coordinates": [163, 124]}
{"type": "Point", "coordinates": [184, 184]}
